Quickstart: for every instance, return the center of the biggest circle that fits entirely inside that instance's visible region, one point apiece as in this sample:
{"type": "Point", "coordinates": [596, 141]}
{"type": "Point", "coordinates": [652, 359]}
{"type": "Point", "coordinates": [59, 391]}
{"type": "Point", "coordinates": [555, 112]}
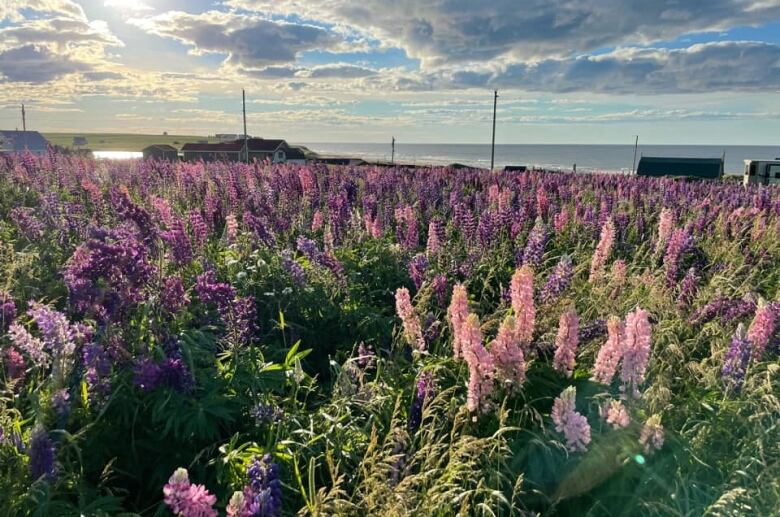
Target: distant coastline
{"type": "Point", "coordinates": [587, 157]}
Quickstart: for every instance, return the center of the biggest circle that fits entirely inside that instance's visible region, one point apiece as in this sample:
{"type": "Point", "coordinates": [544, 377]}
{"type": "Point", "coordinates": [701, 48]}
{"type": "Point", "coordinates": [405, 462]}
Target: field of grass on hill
{"type": "Point", "coordinates": [122, 141]}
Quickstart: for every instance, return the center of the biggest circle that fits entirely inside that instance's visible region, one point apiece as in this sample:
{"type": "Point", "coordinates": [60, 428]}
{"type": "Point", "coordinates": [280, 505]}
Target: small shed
{"type": "Point", "coordinates": [296, 155]}
{"type": "Point", "coordinates": [515, 168]}
{"type": "Point", "coordinates": [161, 152]}
{"type": "Point", "coordinates": [704, 168]}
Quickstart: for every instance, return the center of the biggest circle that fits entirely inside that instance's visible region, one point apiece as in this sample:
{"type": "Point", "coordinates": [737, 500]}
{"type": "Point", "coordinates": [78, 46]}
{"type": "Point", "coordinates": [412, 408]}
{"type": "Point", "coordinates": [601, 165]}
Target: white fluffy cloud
{"type": "Point", "coordinates": [720, 66]}
{"type": "Point", "coordinates": [251, 42]}
{"type": "Point", "coordinates": [452, 31]}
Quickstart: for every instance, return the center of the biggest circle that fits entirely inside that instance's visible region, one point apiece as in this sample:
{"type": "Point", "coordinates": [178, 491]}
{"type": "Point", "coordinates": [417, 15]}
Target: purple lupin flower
{"type": "Point", "coordinates": [209, 290]}
{"type": "Point", "coordinates": [441, 289]}
{"type": "Point", "coordinates": [736, 361]}
{"type": "Point", "coordinates": [42, 455]}
{"type": "Point", "coordinates": [29, 225]}
{"type": "Point", "coordinates": [593, 330]}
{"type": "Point", "coordinates": [293, 268]}
{"type": "Point", "coordinates": [98, 369]}
{"type": "Point", "coordinates": [200, 230]}
{"type": "Point", "coordinates": [534, 247]}
{"type": "Point", "coordinates": [173, 297]}
{"type": "Point", "coordinates": [7, 311]}
{"type": "Point", "coordinates": [424, 390]}
{"type": "Point", "coordinates": [264, 413]}
{"type": "Point", "coordinates": [558, 281]}
{"type": "Point", "coordinates": [264, 488]}
{"type": "Point", "coordinates": [688, 289]}
{"type": "Point", "coordinates": [417, 267]}
{"type": "Point", "coordinates": [679, 242]}
{"type": "Point", "coordinates": [60, 402]}
{"type": "Point", "coordinates": [179, 242]}
{"type": "Point", "coordinates": [366, 356]}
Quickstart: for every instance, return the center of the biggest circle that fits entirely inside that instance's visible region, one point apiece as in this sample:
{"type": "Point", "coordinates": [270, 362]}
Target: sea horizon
{"type": "Point", "coordinates": [587, 157]}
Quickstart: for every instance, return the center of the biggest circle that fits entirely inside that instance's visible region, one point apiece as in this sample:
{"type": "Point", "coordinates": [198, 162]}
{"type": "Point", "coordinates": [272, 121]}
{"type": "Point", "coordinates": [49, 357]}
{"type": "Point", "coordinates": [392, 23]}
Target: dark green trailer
{"type": "Point", "coordinates": [704, 168]}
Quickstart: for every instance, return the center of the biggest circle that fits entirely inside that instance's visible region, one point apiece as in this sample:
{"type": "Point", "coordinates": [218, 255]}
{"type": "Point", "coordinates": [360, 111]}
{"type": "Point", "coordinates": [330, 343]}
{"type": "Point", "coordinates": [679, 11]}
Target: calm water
{"type": "Point", "coordinates": [587, 157]}
{"type": "Point", "coordinates": [117, 155]}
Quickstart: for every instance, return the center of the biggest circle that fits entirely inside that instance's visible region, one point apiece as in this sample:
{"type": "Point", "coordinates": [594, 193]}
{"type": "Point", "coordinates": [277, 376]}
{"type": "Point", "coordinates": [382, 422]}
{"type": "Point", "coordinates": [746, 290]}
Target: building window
{"type": "Point", "coordinates": [753, 169]}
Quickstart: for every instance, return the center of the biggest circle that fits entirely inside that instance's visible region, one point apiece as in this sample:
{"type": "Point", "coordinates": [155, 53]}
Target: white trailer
{"type": "Point", "coordinates": [762, 172]}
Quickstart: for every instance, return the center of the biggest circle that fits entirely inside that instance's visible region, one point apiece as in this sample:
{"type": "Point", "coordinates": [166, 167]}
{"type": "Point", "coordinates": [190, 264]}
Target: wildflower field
{"type": "Point", "coordinates": [228, 339]}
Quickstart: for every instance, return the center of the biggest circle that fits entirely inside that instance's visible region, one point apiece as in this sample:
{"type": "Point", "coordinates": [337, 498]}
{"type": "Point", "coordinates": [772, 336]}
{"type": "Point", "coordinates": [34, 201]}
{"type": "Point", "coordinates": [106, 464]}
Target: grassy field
{"type": "Point", "coordinates": [122, 141]}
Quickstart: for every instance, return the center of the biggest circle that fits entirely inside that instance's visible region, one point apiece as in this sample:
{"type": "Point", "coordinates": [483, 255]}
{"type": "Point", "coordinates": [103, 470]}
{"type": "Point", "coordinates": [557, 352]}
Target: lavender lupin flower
{"type": "Point", "coordinates": [42, 455]}
{"type": "Point", "coordinates": [558, 281]}
{"type": "Point", "coordinates": [736, 361]}
{"type": "Point", "coordinates": [534, 247]}
{"type": "Point", "coordinates": [424, 391]}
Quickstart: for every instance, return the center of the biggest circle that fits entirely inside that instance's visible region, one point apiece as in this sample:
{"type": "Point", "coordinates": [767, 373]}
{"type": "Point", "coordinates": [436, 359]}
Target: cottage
{"type": "Point", "coordinates": [228, 151]}
{"type": "Point", "coordinates": [23, 141]}
{"type": "Point", "coordinates": [705, 168]}
{"type": "Point", "coordinates": [762, 172]}
{"type": "Point", "coordinates": [273, 150]}
{"type": "Point", "coordinates": [161, 152]}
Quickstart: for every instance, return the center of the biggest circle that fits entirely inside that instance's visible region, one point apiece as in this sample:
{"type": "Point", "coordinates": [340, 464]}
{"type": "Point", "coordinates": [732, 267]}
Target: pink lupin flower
{"type": "Point", "coordinates": [572, 424]}
{"type": "Point", "coordinates": [433, 244]}
{"type": "Point", "coordinates": [636, 350]}
{"type": "Point", "coordinates": [457, 313]}
{"type": "Point", "coordinates": [610, 353]}
{"type": "Point", "coordinates": [481, 365]}
{"type": "Point", "coordinates": [619, 272]}
{"type": "Point", "coordinates": [507, 354]}
{"type": "Point", "coordinates": [665, 227]}
{"type": "Point", "coordinates": [603, 249]}
{"type": "Point", "coordinates": [761, 330]}
{"type": "Point", "coordinates": [652, 436]}
{"type": "Point", "coordinates": [521, 290]}
{"type": "Point", "coordinates": [376, 228]}
{"type": "Point", "coordinates": [409, 319]}
{"type": "Point", "coordinates": [186, 499]}
{"type": "Point", "coordinates": [317, 221]}
{"type": "Point", "coordinates": [561, 220]}
{"type": "Point", "coordinates": [617, 414]}
{"type": "Point", "coordinates": [231, 228]}
{"type": "Point", "coordinates": [566, 342]}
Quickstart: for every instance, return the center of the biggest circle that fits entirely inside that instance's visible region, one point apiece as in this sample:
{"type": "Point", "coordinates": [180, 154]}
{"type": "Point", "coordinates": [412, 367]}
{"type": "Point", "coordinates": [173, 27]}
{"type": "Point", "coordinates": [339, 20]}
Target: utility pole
{"type": "Point", "coordinates": [246, 143]}
{"type": "Point", "coordinates": [493, 142]}
{"type": "Point", "coordinates": [24, 119]}
{"type": "Point", "coordinates": [392, 152]}
{"type": "Point", "coordinates": [636, 145]}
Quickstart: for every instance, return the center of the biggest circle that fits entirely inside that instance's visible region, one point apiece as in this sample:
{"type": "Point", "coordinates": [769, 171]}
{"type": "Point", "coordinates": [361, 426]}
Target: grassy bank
{"type": "Point", "coordinates": [122, 141]}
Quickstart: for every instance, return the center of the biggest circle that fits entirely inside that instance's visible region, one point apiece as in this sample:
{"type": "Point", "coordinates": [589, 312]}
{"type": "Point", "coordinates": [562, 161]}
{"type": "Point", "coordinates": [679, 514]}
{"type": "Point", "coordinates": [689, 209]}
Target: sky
{"type": "Point", "coordinates": [585, 71]}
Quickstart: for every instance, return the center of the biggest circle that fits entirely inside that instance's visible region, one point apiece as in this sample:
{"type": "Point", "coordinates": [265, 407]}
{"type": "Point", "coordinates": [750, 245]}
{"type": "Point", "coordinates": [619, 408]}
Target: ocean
{"type": "Point", "coordinates": [608, 158]}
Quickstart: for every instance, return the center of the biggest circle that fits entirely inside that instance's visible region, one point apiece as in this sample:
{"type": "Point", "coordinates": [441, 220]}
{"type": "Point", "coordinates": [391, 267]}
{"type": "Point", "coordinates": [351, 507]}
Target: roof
{"type": "Point", "coordinates": [295, 153]}
{"type": "Point", "coordinates": [225, 147]}
{"type": "Point", "coordinates": [21, 140]}
{"type": "Point", "coordinates": [160, 147]}
{"type": "Point", "coordinates": [261, 145]}
{"type": "Point", "coordinates": [696, 167]}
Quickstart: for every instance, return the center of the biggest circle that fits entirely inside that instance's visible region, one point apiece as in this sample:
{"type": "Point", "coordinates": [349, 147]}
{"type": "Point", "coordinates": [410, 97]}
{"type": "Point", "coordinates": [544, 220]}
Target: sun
{"type": "Point", "coordinates": [133, 6]}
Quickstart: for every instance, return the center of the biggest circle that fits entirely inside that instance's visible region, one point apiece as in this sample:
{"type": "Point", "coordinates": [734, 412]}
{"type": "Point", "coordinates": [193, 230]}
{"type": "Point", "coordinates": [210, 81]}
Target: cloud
{"type": "Point", "coordinates": [729, 66]}
{"type": "Point", "coordinates": [248, 41]}
{"type": "Point", "coordinates": [33, 64]}
{"type": "Point", "coordinates": [63, 33]}
{"type": "Point", "coordinates": [456, 31]}
{"type": "Point", "coordinates": [719, 66]}
{"type": "Point", "coordinates": [344, 71]}
{"type": "Point", "coordinates": [12, 9]}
